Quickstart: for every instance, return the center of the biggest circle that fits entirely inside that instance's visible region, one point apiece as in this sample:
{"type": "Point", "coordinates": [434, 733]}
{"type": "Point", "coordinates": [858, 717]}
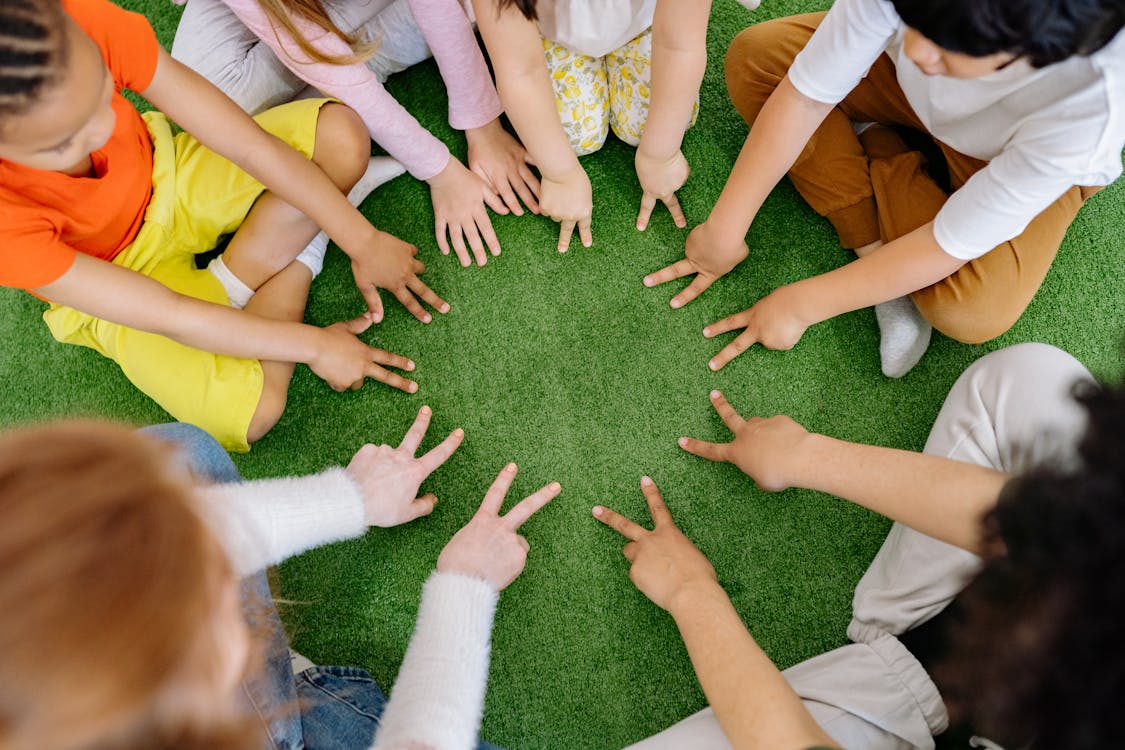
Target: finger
{"type": "Point", "coordinates": [648, 203]}
{"type": "Point", "coordinates": [703, 449]}
{"type": "Point", "coordinates": [660, 513]}
{"type": "Point", "coordinates": [674, 208]}
{"type": "Point", "coordinates": [356, 326]}
{"type": "Point", "coordinates": [420, 288]}
{"type": "Point", "coordinates": [630, 551]}
{"type": "Point", "coordinates": [390, 359]}
{"type": "Point", "coordinates": [584, 232]}
{"type": "Point", "coordinates": [732, 419]}
{"type": "Point", "coordinates": [393, 379]}
{"type": "Point", "coordinates": [471, 232]}
{"type": "Point", "coordinates": [459, 246]}
{"type": "Point", "coordinates": [418, 267]}
{"type": "Point", "coordinates": [493, 199]}
{"type": "Point", "coordinates": [484, 224]}
{"type": "Point", "coordinates": [566, 229]}
{"type": "Point", "coordinates": [523, 543]}
{"type": "Point", "coordinates": [677, 270]}
{"type": "Point", "coordinates": [440, 230]}
{"type": "Point", "coordinates": [440, 453]}
{"type": "Point", "coordinates": [615, 520]}
{"type": "Point", "coordinates": [422, 506]}
{"type": "Point", "coordinates": [529, 184]}
{"type": "Point", "coordinates": [413, 437]}
{"type": "Point", "coordinates": [494, 498]}
{"type": "Point", "coordinates": [744, 341]}
{"type": "Point", "coordinates": [697, 287]}
{"type": "Point", "coordinates": [508, 195]}
{"type": "Point", "coordinates": [374, 303]}
{"type": "Point", "coordinates": [527, 507]}
{"type": "Point", "coordinates": [408, 301]}
{"type": "Point", "coordinates": [726, 325]}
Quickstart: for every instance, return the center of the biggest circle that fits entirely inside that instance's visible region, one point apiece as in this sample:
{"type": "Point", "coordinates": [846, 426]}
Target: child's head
{"type": "Point", "coordinates": [1043, 31]}
{"type": "Point", "coordinates": [55, 90]}
{"type": "Point", "coordinates": [120, 620]}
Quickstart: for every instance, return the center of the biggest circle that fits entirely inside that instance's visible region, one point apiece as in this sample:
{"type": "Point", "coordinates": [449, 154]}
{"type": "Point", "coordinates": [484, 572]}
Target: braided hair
{"type": "Point", "coordinates": [33, 52]}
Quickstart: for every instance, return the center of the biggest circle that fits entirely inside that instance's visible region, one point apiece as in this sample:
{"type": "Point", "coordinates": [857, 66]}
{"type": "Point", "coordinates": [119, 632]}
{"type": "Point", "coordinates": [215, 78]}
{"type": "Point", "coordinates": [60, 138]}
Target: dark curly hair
{"type": "Point", "coordinates": [33, 51]}
{"type": "Point", "coordinates": [1044, 31]}
{"type": "Point", "coordinates": [1039, 657]}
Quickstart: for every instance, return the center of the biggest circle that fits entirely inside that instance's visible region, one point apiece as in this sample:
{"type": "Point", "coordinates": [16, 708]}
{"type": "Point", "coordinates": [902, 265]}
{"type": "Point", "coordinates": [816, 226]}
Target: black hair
{"type": "Point", "coordinates": [529, 8]}
{"type": "Point", "coordinates": [1038, 660]}
{"type": "Point", "coordinates": [1043, 31]}
{"type": "Point", "coordinates": [33, 51]}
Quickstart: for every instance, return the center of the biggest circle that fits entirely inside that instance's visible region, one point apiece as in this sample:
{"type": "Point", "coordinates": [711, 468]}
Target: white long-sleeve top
{"type": "Point", "coordinates": [438, 697]}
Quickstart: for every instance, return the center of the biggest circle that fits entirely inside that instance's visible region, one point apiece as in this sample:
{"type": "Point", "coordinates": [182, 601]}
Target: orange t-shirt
{"type": "Point", "coordinates": [46, 217]}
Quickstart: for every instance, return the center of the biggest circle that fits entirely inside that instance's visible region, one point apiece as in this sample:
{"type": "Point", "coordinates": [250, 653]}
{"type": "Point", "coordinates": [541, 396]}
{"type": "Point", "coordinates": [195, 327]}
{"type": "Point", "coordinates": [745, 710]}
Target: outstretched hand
{"type": "Point", "coordinates": [664, 562]}
{"type": "Point", "coordinates": [344, 362]}
{"type": "Point", "coordinates": [569, 200]}
{"type": "Point", "coordinates": [705, 257]}
{"type": "Point", "coordinates": [389, 478]}
{"type": "Point", "coordinates": [505, 166]}
{"type": "Point", "coordinates": [766, 449]}
{"type": "Point", "coordinates": [774, 322]}
{"type": "Point", "coordinates": [391, 264]}
{"type": "Point", "coordinates": [488, 546]}
{"type": "Point", "coordinates": [660, 179]}
{"type": "Point", "coordinates": [460, 199]}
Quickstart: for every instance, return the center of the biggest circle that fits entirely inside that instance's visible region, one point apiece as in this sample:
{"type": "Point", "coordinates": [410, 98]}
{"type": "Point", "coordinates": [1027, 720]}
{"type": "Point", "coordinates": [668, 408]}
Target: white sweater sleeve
{"type": "Point", "coordinates": [263, 522]}
{"type": "Point", "coordinates": [438, 697]}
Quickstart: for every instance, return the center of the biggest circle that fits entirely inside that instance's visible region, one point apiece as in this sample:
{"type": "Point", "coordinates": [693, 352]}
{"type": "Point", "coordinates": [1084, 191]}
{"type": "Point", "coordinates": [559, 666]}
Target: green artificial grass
{"type": "Point", "coordinates": [567, 365]}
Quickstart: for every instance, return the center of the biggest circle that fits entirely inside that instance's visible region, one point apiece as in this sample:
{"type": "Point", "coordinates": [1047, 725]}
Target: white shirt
{"type": "Point", "coordinates": [594, 27]}
{"type": "Point", "coordinates": [1041, 130]}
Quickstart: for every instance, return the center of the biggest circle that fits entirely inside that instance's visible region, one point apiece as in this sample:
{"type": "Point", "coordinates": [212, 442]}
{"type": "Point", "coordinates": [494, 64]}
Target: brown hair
{"type": "Point", "coordinates": [282, 12]}
{"type": "Point", "coordinates": [108, 598]}
{"type": "Point", "coordinates": [33, 51]}
{"type": "Point", "coordinates": [529, 8]}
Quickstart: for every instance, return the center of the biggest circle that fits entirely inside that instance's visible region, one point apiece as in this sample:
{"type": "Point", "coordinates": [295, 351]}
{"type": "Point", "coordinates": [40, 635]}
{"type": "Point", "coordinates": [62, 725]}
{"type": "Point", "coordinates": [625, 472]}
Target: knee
{"type": "Point", "coordinates": [969, 321]}
{"type": "Point", "coordinates": [271, 405]}
{"type": "Point", "coordinates": [753, 68]}
{"type": "Point", "coordinates": [343, 145]}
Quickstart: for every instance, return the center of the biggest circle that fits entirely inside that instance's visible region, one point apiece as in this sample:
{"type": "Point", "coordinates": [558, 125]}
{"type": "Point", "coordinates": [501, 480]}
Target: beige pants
{"type": "Point", "coordinates": [880, 189]}
{"type": "Point", "coordinates": [1011, 410]}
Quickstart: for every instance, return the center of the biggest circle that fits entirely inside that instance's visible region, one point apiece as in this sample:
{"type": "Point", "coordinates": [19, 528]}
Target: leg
{"type": "Point", "coordinates": [629, 68]}
{"type": "Point", "coordinates": [581, 96]}
{"type": "Point", "coordinates": [212, 41]}
{"type": "Point", "coordinates": [388, 22]}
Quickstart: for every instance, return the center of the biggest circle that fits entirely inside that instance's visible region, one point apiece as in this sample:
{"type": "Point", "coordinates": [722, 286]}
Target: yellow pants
{"type": "Point", "coordinates": [595, 94]}
{"type": "Point", "coordinates": [197, 197]}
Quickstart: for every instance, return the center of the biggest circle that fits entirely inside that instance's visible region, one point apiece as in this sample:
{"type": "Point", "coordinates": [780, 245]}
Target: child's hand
{"type": "Point", "coordinates": [488, 547]}
{"type": "Point", "coordinates": [569, 201]}
{"type": "Point", "coordinates": [503, 163]}
{"type": "Point", "coordinates": [389, 478]}
{"type": "Point", "coordinates": [459, 198]}
{"type": "Point", "coordinates": [660, 179]}
{"type": "Point", "coordinates": [389, 263]}
{"type": "Point", "coordinates": [767, 450]}
{"type": "Point", "coordinates": [775, 323]}
{"type": "Point", "coordinates": [663, 561]}
{"type": "Point", "coordinates": [343, 361]}
{"type": "Point", "coordinates": [706, 256]}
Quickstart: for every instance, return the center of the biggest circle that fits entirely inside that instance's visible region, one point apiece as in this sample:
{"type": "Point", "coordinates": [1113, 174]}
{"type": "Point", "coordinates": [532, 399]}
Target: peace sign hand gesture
{"type": "Point", "coordinates": [664, 562]}
{"type": "Point", "coordinates": [768, 450]}
{"type": "Point", "coordinates": [488, 546]}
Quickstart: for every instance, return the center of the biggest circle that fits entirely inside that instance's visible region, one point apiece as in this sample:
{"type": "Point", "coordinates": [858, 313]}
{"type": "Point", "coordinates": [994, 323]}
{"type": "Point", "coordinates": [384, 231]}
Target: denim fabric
{"type": "Point", "coordinates": [323, 708]}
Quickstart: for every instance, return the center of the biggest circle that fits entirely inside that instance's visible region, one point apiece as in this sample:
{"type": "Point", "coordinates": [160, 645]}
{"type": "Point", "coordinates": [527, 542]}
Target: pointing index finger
{"type": "Point", "coordinates": [527, 507]}
{"type": "Point", "coordinates": [623, 525]}
{"type": "Point", "coordinates": [732, 419]}
{"type": "Point", "coordinates": [413, 437]}
{"type": "Point", "coordinates": [660, 513]}
{"type": "Point", "coordinates": [494, 498]}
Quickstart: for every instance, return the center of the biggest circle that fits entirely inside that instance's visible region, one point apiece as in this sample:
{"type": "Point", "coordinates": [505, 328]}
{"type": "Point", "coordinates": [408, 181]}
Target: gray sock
{"type": "Point", "coordinates": [904, 336]}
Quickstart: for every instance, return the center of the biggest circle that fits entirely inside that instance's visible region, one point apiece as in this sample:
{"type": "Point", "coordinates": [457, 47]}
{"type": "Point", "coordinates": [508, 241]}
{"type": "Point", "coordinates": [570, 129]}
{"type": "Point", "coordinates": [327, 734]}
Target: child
{"type": "Point", "coordinates": [1020, 103]}
{"type": "Point", "coordinates": [122, 591]}
{"type": "Point", "coordinates": [568, 70]}
{"type": "Point", "coordinates": [104, 211]}
{"type": "Point", "coordinates": [264, 52]}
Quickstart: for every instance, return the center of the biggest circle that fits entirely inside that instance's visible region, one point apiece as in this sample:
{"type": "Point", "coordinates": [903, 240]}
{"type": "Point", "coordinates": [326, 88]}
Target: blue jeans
{"type": "Point", "coordinates": [323, 708]}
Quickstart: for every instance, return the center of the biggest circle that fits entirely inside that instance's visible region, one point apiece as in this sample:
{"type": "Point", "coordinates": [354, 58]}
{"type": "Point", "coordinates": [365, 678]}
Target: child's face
{"type": "Point", "coordinates": [71, 119]}
{"type": "Point", "coordinates": [938, 61]}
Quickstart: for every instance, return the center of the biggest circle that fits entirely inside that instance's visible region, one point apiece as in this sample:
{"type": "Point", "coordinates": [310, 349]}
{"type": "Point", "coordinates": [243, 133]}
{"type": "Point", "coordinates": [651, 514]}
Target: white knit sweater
{"type": "Point", "coordinates": [438, 698]}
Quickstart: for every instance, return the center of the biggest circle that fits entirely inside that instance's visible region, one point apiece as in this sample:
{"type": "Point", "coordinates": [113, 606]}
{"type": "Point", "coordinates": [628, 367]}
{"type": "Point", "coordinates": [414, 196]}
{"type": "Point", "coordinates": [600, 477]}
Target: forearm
{"type": "Point", "coordinates": [755, 705]}
{"type": "Point", "coordinates": [906, 265]}
{"type": "Point", "coordinates": [782, 130]}
{"type": "Point", "coordinates": [679, 59]}
{"type": "Point", "coordinates": [937, 496]}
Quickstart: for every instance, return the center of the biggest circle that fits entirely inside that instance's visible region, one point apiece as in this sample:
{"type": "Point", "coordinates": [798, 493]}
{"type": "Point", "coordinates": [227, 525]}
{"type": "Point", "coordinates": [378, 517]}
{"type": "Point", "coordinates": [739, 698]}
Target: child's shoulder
{"type": "Point", "coordinates": [126, 39]}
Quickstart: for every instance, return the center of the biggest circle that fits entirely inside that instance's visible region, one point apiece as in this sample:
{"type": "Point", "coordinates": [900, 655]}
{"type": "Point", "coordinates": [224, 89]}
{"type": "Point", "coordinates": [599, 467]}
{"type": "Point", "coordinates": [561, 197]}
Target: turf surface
{"type": "Point", "coordinates": [569, 366]}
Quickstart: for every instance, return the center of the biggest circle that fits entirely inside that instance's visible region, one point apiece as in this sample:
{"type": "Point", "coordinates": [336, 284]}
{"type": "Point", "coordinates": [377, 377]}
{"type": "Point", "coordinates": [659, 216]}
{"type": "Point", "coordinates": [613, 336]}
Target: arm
{"type": "Point", "coordinates": [937, 496]}
{"type": "Point", "coordinates": [679, 59]}
{"type": "Point", "coordinates": [755, 705]}
{"type": "Point", "coordinates": [118, 295]}
{"type": "Point", "coordinates": [525, 88]}
{"type": "Point", "coordinates": [378, 260]}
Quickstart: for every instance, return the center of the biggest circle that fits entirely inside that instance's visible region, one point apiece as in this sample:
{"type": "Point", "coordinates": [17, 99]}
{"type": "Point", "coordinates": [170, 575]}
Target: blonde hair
{"type": "Point", "coordinates": [282, 12]}
{"type": "Point", "coordinates": [108, 598]}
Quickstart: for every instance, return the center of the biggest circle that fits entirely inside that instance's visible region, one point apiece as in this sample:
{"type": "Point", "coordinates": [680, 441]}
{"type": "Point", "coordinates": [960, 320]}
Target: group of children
{"type": "Point", "coordinates": [949, 144]}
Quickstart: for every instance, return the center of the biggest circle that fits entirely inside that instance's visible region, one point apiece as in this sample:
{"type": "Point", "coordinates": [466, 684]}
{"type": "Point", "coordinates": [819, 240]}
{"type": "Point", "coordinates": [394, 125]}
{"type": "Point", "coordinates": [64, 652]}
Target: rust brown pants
{"type": "Point", "coordinates": [874, 187]}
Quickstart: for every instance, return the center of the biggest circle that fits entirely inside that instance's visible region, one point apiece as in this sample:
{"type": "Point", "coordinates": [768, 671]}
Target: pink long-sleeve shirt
{"type": "Point", "coordinates": [448, 32]}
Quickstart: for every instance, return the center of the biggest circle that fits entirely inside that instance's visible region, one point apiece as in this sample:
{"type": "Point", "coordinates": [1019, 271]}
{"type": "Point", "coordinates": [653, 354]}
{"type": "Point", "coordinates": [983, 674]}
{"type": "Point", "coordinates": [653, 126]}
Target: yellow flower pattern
{"type": "Point", "coordinates": [593, 94]}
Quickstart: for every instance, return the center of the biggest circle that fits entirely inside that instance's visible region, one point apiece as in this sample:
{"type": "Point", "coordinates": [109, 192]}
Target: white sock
{"type": "Point", "coordinates": [313, 254]}
{"type": "Point", "coordinates": [237, 291]}
{"type": "Point", "coordinates": [904, 336]}
{"type": "Point", "coordinates": [380, 169]}
{"type": "Point", "coordinates": [299, 662]}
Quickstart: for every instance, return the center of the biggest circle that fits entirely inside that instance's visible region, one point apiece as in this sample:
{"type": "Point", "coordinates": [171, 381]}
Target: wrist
{"type": "Point", "coordinates": [695, 596]}
{"type": "Point", "coordinates": [477, 136]}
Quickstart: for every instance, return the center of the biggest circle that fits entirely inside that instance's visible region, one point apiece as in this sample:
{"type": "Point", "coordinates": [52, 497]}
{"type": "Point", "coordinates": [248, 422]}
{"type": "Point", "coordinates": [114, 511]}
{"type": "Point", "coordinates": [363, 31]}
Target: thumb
{"type": "Point", "coordinates": [423, 506]}
{"type": "Point", "coordinates": [374, 304]}
{"type": "Point", "coordinates": [356, 326]}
